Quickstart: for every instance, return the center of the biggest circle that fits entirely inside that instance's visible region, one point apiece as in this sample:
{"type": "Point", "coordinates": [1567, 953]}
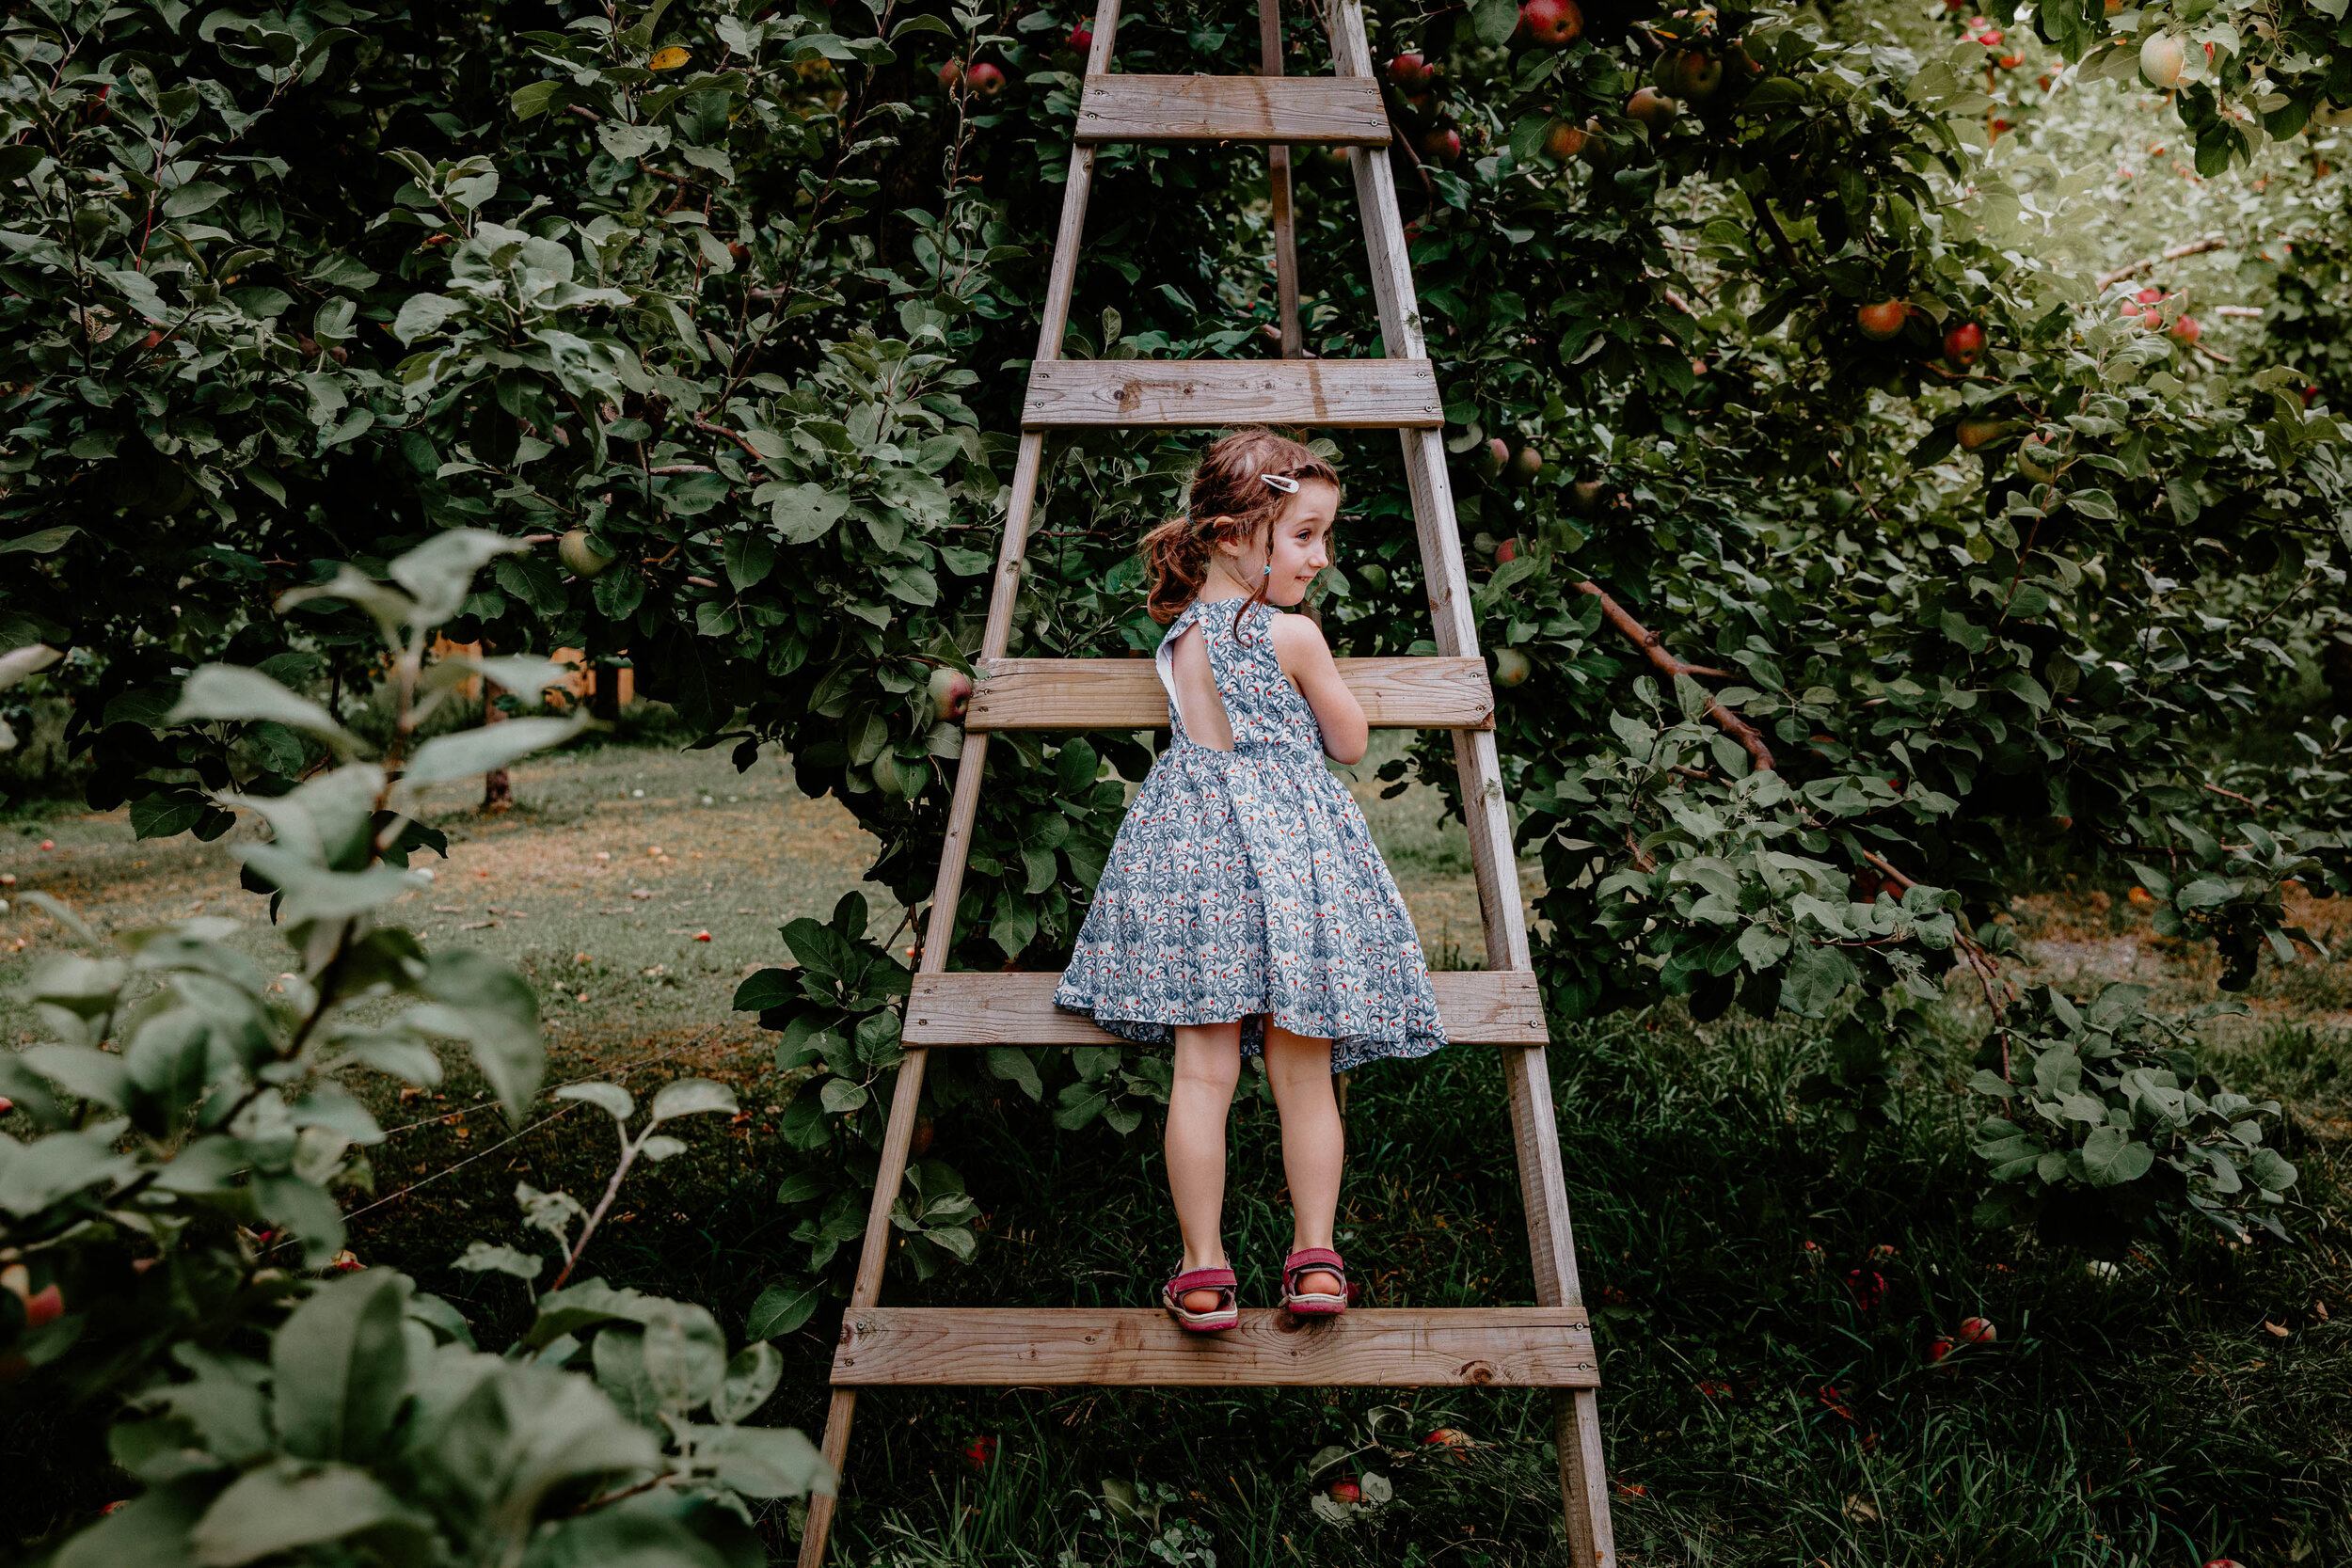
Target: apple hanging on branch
{"type": "Point", "coordinates": [1963, 345]}
{"type": "Point", "coordinates": [951, 693]}
{"type": "Point", "coordinates": [1653, 108]}
{"type": "Point", "coordinates": [1883, 321]}
{"type": "Point", "coordinates": [1551, 23]}
{"type": "Point", "coordinates": [579, 552]}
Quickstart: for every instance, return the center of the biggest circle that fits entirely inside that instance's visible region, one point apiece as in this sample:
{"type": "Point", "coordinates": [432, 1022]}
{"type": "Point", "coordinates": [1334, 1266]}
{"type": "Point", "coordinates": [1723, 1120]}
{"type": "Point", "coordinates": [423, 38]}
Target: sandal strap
{"type": "Point", "coordinates": [1313, 1259]}
{"type": "Point", "coordinates": [1202, 1279]}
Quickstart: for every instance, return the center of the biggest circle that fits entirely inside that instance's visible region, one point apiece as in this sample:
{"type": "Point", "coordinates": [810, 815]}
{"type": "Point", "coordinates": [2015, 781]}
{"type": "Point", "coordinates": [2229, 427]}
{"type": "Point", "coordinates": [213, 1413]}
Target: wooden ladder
{"type": "Point", "coordinates": [1547, 1345]}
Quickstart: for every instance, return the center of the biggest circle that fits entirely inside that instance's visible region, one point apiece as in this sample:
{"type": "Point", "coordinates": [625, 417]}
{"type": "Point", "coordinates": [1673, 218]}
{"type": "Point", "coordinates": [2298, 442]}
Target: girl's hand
{"type": "Point", "coordinates": [1305, 659]}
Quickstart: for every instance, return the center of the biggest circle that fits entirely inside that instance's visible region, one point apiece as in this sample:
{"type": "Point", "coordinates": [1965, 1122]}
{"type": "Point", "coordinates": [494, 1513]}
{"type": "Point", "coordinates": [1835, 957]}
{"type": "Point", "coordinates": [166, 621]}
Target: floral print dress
{"type": "Point", "coordinates": [1244, 885]}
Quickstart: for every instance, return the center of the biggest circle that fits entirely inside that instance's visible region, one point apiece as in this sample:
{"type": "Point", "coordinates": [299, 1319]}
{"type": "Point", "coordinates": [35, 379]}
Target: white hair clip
{"type": "Point", "coordinates": [1283, 483]}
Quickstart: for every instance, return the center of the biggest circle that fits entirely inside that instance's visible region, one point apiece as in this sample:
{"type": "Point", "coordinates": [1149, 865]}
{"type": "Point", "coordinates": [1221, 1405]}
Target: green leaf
{"type": "Point", "coordinates": [482, 1002]}
{"type": "Point", "coordinates": [339, 1366]}
{"type": "Point", "coordinates": [686, 1355]}
{"type": "Point", "coordinates": [423, 316]}
{"type": "Point", "coordinates": [805, 513]}
{"type": "Point", "coordinates": [471, 752]}
{"type": "Point", "coordinates": [765, 988]}
{"type": "Point", "coordinates": [750, 556]}
{"type": "Point", "coordinates": [531, 100]}
{"type": "Point", "coordinates": [440, 572]}
{"type": "Point", "coordinates": [50, 1168]}
{"type": "Point", "coordinates": [229, 692]}
{"type": "Point", "coordinates": [752, 1376]}
{"type": "Point", "coordinates": [616, 1102]}
{"type": "Point", "coordinates": [1494, 22]}
{"type": "Point", "coordinates": [769, 1462]}
{"type": "Point", "coordinates": [687, 1097]}
{"type": "Point", "coordinates": [2111, 1157]}
{"type": "Point", "coordinates": [782, 1308]}
{"type": "Point", "coordinates": [484, 1257]}
{"type": "Point", "coordinates": [1012, 1064]}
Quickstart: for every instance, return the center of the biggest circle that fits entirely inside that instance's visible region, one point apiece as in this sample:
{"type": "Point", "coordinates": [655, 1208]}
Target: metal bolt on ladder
{"type": "Point", "coordinates": [1547, 1345]}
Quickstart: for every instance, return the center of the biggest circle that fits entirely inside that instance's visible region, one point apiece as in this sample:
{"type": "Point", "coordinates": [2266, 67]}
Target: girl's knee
{"type": "Point", "coordinates": [1208, 1066]}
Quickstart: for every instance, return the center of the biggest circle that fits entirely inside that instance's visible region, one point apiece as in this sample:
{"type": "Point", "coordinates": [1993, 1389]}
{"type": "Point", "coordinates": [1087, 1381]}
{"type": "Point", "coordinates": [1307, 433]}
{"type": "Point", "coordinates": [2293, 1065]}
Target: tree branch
{"type": "Point", "coordinates": [2194, 247]}
{"type": "Point", "coordinates": [749, 450]}
{"type": "Point", "coordinates": [1648, 641]}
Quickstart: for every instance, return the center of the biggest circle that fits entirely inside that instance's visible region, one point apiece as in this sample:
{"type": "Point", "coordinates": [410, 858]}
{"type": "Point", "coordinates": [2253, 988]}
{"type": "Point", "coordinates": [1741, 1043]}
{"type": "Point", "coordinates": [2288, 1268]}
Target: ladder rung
{"type": "Point", "coordinates": [1345, 394]}
{"type": "Point", "coordinates": [1496, 1347]}
{"type": "Point", "coordinates": [1126, 694]}
{"type": "Point", "coordinates": [1333, 111]}
{"type": "Point", "coordinates": [966, 1008]}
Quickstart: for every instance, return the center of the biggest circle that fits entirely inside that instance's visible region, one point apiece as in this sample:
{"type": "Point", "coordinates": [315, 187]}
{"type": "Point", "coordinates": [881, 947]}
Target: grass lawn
{"type": "Point", "coordinates": [1764, 1314]}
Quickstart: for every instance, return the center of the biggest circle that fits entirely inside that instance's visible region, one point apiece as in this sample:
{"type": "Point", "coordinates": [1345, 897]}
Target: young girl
{"type": "Point", "coordinates": [1244, 908]}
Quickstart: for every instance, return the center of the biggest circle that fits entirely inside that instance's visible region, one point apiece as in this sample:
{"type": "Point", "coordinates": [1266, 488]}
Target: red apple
{"type": "Point", "coordinates": [1512, 667]}
{"type": "Point", "coordinates": [1346, 1490]}
{"type": "Point", "coordinates": [2152, 320]}
{"type": "Point", "coordinates": [1082, 37]}
{"type": "Point", "coordinates": [1584, 497]}
{"type": "Point", "coordinates": [2162, 60]}
{"type": "Point", "coordinates": [1692, 75]}
{"type": "Point", "coordinates": [1410, 73]}
{"type": "Point", "coordinates": [1963, 345]}
{"type": "Point", "coordinates": [951, 76]}
{"type": "Point", "coordinates": [1551, 23]}
{"type": "Point", "coordinates": [1525, 465]}
{"type": "Point", "coordinates": [1507, 551]}
{"type": "Point", "coordinates": [2185, 330]}
{"type": "Point", "coordinates": [2150, 296]}
{"type": "Point", "coordinates": [1941, 1348]}
{"type": "Point", "coordinates": [951, 692]}
{"type": "Point", "coordinates": [1653, 108]}
{"type": "Point", "coordinates": [1564, 141]}
{"type": "Point", "coordinates": [1448, 1437]}
{"type": "Point", "coordinates": [987, 79]}
{"type": "Point", "coordinates": [980, 1452]}
{"type": "Point", "coordinates": [1977, 429]}
{"type": "Point", "coordinates": [1884, 320]}
{"type": "Point", "coordinates": [1977, 1331]}
{"type": "Point", "coordinates": [1441, 146]}
{"type": "Point", "coordinates": [1491, 458]}
{"type": "Point", "coordinates": [920, 1143]}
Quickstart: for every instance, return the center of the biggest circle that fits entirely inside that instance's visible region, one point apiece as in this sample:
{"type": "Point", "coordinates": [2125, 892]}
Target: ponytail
{"type": "Point", "coordinates": [1230, 501]}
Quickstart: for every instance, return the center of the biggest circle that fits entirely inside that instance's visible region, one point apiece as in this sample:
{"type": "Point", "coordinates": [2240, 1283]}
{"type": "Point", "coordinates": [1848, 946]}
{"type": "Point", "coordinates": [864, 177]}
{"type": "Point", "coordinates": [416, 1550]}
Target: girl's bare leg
{"type": "Point", "coordinates": [1208, 1066]}
{"type": "Point", "coordinates": [1314, 1143]}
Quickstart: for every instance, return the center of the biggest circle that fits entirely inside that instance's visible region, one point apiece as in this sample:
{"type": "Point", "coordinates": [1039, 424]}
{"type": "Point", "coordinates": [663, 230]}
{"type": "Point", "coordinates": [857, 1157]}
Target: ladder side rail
{"type": "Point", "coordinates": [1278, 156]}
{"type": "Point", "coordinates": [1584, 1474]}
{"type": "Point", "coordinates": [946, 891]}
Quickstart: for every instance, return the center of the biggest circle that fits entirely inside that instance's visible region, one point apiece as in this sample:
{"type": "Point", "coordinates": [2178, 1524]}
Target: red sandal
{"type": "Point", "coordinates": [1224, 1315]}
{"type": "Point", "coordinates": [1314, 1304]}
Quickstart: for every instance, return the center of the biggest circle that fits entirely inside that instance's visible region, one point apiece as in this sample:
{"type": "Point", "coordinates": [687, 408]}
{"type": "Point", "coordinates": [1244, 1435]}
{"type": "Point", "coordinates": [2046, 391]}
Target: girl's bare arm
{"type": "Point", "coordinates": [1305, 658]}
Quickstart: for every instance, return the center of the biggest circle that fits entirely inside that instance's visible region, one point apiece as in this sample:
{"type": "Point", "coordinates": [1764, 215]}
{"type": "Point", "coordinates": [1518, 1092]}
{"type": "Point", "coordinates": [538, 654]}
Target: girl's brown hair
{"type": "Point", "coordinates": [1231, 500]}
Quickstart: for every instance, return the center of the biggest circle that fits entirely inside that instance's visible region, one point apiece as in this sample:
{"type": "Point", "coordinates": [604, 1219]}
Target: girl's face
{"type": "Point", "coordinates": [1301, 541]}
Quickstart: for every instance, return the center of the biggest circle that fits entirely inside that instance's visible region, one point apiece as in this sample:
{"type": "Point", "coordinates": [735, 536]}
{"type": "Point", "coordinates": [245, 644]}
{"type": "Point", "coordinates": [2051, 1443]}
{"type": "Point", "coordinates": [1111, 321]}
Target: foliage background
{"type": "Point", "coordinates": [290, 288]}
